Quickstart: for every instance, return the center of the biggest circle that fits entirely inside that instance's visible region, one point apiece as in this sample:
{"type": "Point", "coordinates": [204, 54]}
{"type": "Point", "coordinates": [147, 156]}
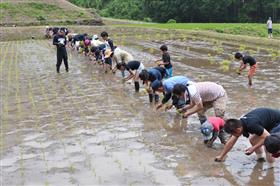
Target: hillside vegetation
{"type": "Point", "coordinates": [28, 12]}
{"type": "Point", "coordinates": [185, 11]}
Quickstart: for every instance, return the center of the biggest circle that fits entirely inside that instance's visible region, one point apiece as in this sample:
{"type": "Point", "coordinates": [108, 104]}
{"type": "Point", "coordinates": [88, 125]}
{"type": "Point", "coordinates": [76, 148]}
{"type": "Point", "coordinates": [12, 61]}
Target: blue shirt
{"type": "Point", "coordinates": [169, 84]}
{"type": "Point", "coordinates": [154, 74]}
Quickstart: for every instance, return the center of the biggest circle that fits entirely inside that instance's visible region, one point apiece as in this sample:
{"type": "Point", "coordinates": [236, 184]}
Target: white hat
{"type": "Point", "coordinates": [94, 37]}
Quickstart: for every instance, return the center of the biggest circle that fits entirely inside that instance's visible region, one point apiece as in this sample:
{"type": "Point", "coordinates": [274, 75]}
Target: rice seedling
{"type": "Point", "coordinates": [242, 48]}
{"type": "Point", "coordinates": [211, 59]}
{"type": "Point", "coordinates": [225, 65]}
{"type": "Point", "coordinates": [151, 50]}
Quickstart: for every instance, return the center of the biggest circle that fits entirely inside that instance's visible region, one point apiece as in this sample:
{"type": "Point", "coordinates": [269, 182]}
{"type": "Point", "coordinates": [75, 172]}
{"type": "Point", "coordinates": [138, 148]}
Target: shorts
{"type": "Point", "coordinates": [275, 129]}
{"type": "Point", "coordinates": [219, 106]}
{"type": "Point", "coordinates": [269, 31]}
{"type": "Point", "coordinates": [168, 72]}
{"type": "Point", "coordinates": [86, 50]}
{"type": "Point", "coordinates": [108, 61]}
{"type": "Point", "coordinates": [140, 68]}
{"type": "Point", "coordinates": [252, 70]}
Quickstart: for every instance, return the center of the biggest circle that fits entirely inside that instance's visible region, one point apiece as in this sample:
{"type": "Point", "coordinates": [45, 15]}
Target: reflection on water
{"type": "Point", "coordinates": [85, 127]}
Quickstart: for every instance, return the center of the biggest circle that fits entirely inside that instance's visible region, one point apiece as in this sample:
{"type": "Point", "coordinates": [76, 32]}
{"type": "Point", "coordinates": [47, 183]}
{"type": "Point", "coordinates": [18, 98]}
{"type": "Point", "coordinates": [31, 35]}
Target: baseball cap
{"type": "Point", "coordinates": [272, 143]}
{"type": "Point", "coordinates": [207, 130]}
{"type": "Point", "coordinates": [155, 85]}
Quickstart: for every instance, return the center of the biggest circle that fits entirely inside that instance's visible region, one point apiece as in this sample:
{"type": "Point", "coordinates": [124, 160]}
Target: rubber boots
{"type": "Point", "coordinates": [137, 86]}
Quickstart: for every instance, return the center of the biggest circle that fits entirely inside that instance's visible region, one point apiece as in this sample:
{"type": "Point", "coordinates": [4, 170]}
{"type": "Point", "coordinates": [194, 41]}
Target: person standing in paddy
{"type": "Point", "coordinates": [60, 41]}
{"type": "Point", "coordinates": [166, 61]}
{"type": "Point", "coordinates": [269, 27]}
{"type": "Point", "coordinates": [109, 46]}
{"type": "Point", "coordinates": [247, 60]}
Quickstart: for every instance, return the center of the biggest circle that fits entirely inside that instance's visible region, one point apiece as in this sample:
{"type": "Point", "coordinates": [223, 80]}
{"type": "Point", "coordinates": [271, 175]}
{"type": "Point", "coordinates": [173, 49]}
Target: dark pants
{"type": "Point", "coordinates": [62, 55]}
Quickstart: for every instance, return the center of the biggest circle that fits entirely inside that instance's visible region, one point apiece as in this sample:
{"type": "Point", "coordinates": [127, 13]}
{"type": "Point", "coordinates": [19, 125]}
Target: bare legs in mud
{"type": "Point", "coordinates": [254, 139]}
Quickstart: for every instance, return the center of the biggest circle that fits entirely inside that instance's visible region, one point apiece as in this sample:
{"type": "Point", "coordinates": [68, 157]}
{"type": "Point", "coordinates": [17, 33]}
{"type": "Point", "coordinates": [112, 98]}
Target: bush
{"type": "Point", "coordinates": [171, 21]}
{"type": "Point", "coordinates": [147, 19]}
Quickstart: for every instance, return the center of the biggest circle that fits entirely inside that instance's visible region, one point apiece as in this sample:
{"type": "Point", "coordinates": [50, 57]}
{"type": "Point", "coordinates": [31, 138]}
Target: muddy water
{"type": "Point", "coordinates": [87, 128]}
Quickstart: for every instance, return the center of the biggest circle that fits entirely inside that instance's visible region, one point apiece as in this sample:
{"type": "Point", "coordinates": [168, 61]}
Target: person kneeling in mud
{"type": "Point", "coordinates": [132, 66]}
{"type": "Point", "coordinates": [148, 77]}
{"type": "Point", "coordinates": [212, 128]}
{"type": "Point", "coordinates": [166, 87]}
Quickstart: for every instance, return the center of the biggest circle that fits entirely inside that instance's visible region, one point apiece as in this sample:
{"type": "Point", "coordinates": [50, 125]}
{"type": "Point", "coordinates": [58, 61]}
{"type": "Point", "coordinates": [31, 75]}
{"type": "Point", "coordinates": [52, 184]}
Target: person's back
{"type": "Point", "coordinates": [209, 91]}
{"type": "Point", "coordinates": [258, 119]}
{"type": "Point", "coordinates": [122, 56]}
{"type": "Point", "coordinates": [218, 123]}
{"type": "Point", "coordinates": [96, 43]}
{"type": "Point", "coordinates": [249, 60]}
{"type": "Point", "coordinates": [161, 70]}
{"type": "Point", "coordinates": [169, 83]}
{"type": "Point", "coordinates": [154, 74]}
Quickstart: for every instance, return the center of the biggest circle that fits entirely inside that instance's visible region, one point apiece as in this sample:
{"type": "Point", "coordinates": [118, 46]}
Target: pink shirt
{"type": "Point", "coordinates": [205, 91]}
{"type": "Point", "coordinates": [218, 123]}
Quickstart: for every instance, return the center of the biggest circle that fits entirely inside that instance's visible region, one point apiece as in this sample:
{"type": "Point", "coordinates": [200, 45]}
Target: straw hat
{"type": "Point", "coordinates": [108, 53]}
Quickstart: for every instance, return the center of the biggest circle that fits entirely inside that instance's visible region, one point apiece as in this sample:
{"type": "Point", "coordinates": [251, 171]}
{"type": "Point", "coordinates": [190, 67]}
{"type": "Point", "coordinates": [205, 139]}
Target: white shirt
{"type": "Point", "coordinates": [269, 24]}
{"type": "Point", "coordinates": [122, 55]}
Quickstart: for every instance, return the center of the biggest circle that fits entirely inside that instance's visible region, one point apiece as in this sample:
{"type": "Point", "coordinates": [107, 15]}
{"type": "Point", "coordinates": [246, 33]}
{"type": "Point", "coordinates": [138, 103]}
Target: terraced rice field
{"type": "Point", "coordinates": [87, 128]}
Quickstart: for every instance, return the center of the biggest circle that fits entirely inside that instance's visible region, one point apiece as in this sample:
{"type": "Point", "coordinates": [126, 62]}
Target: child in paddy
{"type": "Point", "coordinates": [166, 61]}
{"type": "Point", "coordinates": [109, 47]}
{"type": "Point", "coordinates": [247, 60]}
{"type": "Point", "coordinates": [131, 66]}
{"type": "Point", "coordinates": [148, 77]}
{"type": "Point", "coordinates": [212, 128]}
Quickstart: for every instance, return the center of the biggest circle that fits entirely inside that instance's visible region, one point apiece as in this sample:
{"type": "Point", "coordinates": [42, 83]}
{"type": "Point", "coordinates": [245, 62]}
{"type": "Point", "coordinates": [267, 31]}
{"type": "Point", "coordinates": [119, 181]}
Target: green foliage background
{"type": "Point", "coordinates": [187, 10]}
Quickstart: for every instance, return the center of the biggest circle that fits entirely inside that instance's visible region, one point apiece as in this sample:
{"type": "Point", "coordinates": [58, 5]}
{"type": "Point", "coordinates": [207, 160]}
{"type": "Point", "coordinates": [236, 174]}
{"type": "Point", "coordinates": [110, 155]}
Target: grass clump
{"type": "Point", "coordinates": [12, 12]}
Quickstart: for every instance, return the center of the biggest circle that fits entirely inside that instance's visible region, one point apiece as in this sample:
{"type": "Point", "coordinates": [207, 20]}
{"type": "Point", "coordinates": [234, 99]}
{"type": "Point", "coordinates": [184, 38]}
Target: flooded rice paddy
{"type": "Point", "coordinates": [87, 128]}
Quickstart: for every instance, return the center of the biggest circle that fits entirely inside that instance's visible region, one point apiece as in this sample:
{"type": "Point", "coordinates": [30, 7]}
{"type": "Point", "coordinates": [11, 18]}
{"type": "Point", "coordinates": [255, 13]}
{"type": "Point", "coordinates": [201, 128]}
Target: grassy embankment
{"type": "Point", "coordinates": [246, 29]}
{"type": "Point", "coordinates": [40, 12]}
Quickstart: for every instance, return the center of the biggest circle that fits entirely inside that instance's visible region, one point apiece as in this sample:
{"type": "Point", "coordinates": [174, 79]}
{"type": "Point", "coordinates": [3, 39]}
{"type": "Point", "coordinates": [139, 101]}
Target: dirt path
{"type": "Point", "coordinates": [87, 128]}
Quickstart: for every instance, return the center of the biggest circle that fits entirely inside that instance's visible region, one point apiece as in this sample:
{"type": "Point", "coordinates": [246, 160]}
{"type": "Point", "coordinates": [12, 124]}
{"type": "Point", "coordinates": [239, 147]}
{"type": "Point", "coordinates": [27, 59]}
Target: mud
{"type": "Point", "coordinates": [87, 128]}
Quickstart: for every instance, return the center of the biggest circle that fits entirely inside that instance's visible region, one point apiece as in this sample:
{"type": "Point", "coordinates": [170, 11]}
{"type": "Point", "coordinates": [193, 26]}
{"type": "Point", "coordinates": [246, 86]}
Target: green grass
{"type": "Point", "coordinates": [249, 29]}
{"type": "Point", "coordinates": [37, 11]}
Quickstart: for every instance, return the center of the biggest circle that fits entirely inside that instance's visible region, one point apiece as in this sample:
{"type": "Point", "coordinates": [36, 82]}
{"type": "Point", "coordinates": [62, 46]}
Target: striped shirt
{"type": "Point", "coordinates": [205, 92]}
